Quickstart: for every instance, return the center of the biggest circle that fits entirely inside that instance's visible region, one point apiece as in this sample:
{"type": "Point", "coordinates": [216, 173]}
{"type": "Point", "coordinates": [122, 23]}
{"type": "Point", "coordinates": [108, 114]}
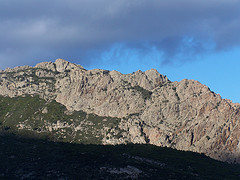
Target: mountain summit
{"type": "Point", "coordinates": [108, 107]}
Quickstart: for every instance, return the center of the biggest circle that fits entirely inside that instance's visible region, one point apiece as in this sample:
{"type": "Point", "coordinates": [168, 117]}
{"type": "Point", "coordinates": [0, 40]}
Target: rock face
{"type": "Point", "coordinates": [185, 115]}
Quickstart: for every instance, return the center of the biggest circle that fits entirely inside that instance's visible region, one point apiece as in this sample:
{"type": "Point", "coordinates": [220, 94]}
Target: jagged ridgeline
{"type": "Point", "coordinates": [62, 101]}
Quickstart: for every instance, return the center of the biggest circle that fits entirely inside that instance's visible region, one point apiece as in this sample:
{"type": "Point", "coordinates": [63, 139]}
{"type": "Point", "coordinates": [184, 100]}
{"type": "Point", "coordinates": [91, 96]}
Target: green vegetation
{"type": "Point", "coordinates": [36, 117]}
{"type": "Point", "coordinates": [208, 138]}
{"type": "Point", "coordinates": [105, 72]}
{"type": "Point", "coordinates": [217, 105]}
{"type": "Point", "coordinates": [145, 93]}
{"type": "Point", "coordinates": [30, 75]}
{"type": "Point", "coordinates": [176, 94]}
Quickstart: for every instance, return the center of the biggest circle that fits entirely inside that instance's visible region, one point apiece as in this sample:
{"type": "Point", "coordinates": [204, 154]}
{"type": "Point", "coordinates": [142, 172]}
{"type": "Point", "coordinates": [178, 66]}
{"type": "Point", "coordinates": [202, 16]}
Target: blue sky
{"type": "Point", "coordinates": [181, 39]}
{"type": "Point", "coordinates": [219, 71]}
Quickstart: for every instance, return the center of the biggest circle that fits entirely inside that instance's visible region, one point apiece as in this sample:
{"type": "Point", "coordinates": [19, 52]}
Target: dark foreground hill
{"type": "Point", "coordinates": [23, 158]}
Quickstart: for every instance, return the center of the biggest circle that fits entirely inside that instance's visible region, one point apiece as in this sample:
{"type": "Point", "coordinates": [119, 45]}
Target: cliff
{"type": "Point", "coordinates": [142, 107]}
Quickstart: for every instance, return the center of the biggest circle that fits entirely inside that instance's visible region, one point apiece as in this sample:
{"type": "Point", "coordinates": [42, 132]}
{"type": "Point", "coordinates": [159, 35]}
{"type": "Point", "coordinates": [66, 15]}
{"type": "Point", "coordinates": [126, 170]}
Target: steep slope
{"type": "Point", "coordinates": [151, 109]}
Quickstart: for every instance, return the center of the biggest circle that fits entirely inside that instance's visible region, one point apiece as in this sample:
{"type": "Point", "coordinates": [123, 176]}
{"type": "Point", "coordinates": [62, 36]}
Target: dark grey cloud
{"type": "Point", "coordinates": [33, 31]}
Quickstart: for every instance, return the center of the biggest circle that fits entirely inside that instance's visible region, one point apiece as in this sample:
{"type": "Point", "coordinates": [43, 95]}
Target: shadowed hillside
{"type": "Point", "coordinates": [23, 158]}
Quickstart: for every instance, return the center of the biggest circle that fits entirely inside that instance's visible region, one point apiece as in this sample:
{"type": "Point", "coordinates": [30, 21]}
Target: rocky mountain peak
{"type": "Point", "coordinates": [60, 65]}
{"type": "Point", "coordinates": [185, 115]}
{"type": "Point", "coordinates": [63, 65]}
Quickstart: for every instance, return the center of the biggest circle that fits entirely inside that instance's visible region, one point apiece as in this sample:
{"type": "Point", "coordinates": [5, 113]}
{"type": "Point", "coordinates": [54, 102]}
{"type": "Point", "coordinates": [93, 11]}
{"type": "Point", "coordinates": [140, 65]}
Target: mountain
{"type": "Point", "coordinates": [64, 102]}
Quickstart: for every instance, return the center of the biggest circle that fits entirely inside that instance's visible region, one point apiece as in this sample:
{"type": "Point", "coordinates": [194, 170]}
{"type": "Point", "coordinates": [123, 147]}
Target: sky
{"type": "Point", "coordinates": [184, 39]}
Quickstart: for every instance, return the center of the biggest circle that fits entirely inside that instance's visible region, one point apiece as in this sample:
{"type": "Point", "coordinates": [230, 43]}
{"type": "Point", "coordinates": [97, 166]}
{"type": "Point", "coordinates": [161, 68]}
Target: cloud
{"type": "Point", "coordinates": [44, 30]}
